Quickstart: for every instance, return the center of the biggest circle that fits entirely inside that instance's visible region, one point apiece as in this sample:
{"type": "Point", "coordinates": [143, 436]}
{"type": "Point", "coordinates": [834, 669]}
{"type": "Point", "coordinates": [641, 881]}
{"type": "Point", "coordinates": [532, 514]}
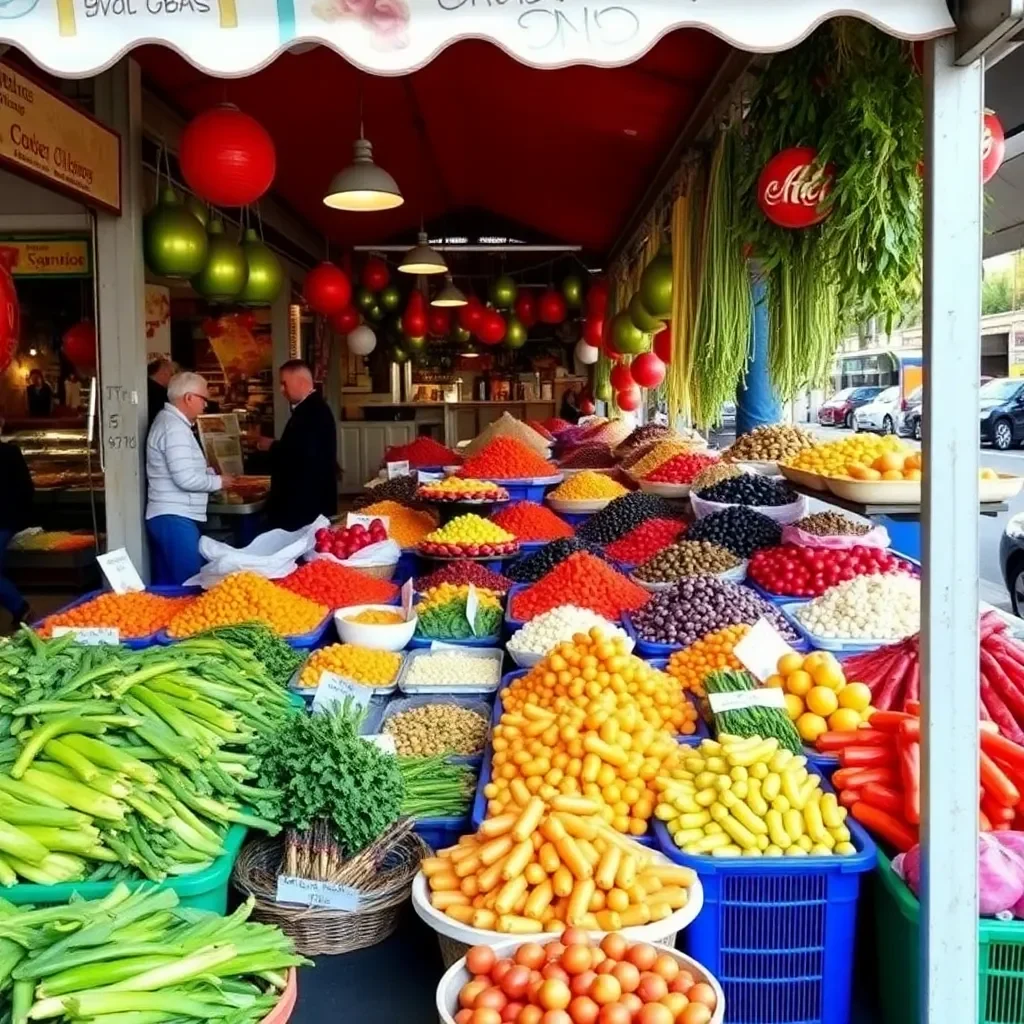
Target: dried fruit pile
{"type": "Point", "coordinates": [424, 451]}
{"type": "Point", "coordinates": [507, 458]}
{"type": "Point", "coordinates": [645, 540]}
{"type": "Point", "coordinates": [531, 522]}
{"type": "Point", "coordinates": [337, 586]}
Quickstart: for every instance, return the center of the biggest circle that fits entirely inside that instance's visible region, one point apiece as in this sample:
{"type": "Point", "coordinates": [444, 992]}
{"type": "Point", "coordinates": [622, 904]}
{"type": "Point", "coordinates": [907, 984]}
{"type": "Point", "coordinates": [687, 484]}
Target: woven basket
{"type": "Point", "coordinates": [384, 887]}
{"type": "Point", "coordinates": [379, 572]}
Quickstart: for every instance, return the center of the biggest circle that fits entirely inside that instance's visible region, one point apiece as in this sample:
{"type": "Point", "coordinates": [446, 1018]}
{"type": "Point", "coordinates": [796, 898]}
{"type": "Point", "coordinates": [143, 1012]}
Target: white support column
{"type": "Point", "coordinates": [949, 634]}
{"type": "Point", "coordinates": [121, 320]}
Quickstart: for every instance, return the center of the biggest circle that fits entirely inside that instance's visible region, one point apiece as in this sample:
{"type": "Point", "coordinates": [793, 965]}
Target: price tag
{"type": "Point", "coordinates": [759, 651]}
{"type": "Point", "coordinates": [333, 690]}
{"type": "Point", "coordinates": [90, 636]}
{"type": "Point", "coordinates": [443, 645]}
{"type": "Point", "coordinates": [425, 477]}
{"type": "Point", "coordinates": [407, 599]}
{"type": "Point", "coordinates": [355, 519]}
{"type": "Point", "coordinates": [122, 576]}
{"type": "Point", "coordinates": [398, 469]}
{"type": "Point", "coordinates": [382, 741]}
{"type": "Point", "coordinates": [310, 893]}
{"type": "Point", "coordinates": [472, 603]}
{"type": "Point", "coordinates": [764, 697]}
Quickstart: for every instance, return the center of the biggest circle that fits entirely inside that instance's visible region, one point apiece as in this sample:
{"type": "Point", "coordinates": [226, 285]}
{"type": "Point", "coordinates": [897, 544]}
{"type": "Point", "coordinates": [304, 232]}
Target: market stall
{"type": "Point", "coordinates": [695, 206]}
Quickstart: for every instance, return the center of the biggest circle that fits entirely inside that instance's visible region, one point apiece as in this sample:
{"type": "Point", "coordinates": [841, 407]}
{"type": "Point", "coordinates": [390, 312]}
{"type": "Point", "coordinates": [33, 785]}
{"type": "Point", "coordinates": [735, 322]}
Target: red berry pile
{"type": "Point", "coordinates": [646, 540]}
{"type": "Point", "coordinates": [345, 541]}
{"type": "Point", "coordinates": [808, 572]}
{"type": "Point", "coordinates": [682, 468]}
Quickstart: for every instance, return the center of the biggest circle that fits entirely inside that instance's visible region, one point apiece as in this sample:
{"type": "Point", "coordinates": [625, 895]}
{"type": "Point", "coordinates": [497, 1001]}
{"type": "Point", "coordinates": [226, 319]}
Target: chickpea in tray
{"type": "Point", "coordinates": [438, 728]}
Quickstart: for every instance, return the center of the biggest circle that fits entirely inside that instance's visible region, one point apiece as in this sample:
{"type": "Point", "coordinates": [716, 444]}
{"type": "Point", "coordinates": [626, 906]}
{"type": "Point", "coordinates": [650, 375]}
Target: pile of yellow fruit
{"type": "Point", "coordinates": [818, 697]}
{"type": "Point", "coordinates": [587, 486]}
{"type": "Point", "coordinates": [352, 662]}
{"type": "Point", "coordinates": [469, 529]}
{"type": "Point", "coordinates": [376, 617]}
{"type": "Point", "coordinates": [590, 720]}
{"type": "Point", "coordinates": [832, 459]}
{"type": "Point", "coordinates": [890, 466]}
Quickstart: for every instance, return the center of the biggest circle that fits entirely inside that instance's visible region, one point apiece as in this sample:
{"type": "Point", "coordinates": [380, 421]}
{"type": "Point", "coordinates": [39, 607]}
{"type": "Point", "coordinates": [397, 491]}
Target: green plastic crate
{"type": "Point", "coordinates": [205, 890]}
{"type": "Point", "coordinates": [897, 921]}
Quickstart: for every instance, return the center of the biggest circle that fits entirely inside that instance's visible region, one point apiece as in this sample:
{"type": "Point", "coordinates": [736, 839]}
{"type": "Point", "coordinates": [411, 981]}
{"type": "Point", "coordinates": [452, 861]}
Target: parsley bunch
{"type": "Point", "coordinates": [324, 770]}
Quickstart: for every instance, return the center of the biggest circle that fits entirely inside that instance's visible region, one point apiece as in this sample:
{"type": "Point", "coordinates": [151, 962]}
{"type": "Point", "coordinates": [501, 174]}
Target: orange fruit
{"type": "Point", "coordinates": [790, 663]}
{"type": "Point", "coordinates": [810, 726]}
{"type": "Point", "coordinates": [829, 675]}
{"type": "Point", "coordinates": [855, 696]}
{"type": "Point", "coordinates": [775, 681]}
{"type": "Point", "coordinates": [799, 682]}
{"type": "Point", "coordinates": [822, 701]}
{"type": "Point", "coordinates": [843, 720]}
{"type": "Point", "coordinates": [794, 706]}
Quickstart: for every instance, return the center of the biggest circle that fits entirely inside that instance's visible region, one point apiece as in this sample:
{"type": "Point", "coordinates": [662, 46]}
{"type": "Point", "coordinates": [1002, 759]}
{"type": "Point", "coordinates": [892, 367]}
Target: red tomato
{"type": "Point", "coordinates": [576, 959]}
{"type": "Point", "coordinates": [632, 1003]}
{"type": "Point", "coordinates": [575, 937]}
{"type": "Point", "coordinates": [583, 1010]}
{"type": "Point", "coordinates": [605, 967]}
{"type": "Point", "coordinates": [556, 1017]}
{"type": "Point", "coordinates": [702, 992]}
{"type": "Point", "coordinates": [530, 1015]}
{"type": "Point", "coordinates": [652, 987]}
{"type": "Point", "coordinates": [554, 950]}
{"type": "Point", "coordinates": [614, 946]}
{"type": "Point", "coordinates": [531, 954]}
{"type": "Point", "coordinates": [491, 998]}
{"type": "Point", "coordinates": [511, 1012]}
{"type": "Point", "coordinates": [676, 1003]}
{"type": "Point", "coordinates": [501, 968]}
{"type": "Point", "coordinates": [580, 984]}
{"type": "Point", "coordinates": [667, 966]}
{"type": "Point", "coordinates": [556, 971]}
{"type": "Point", "coordinates": [627, 975]}
{"type": "Point", "coordinates": [642, 955]}
{"type": "Point", "coordinates": [485, 1015]}
{"type": "Point", "coordinates": [605, 990]}
{"type": "Point", "coordinates": [469, 992]}
{"type": "Point", "coordinates": [533, 989]}
{"type": "Point", "coordinates": [695, 1013]}
{"type": "Point", "coordinates": [655, 1013]}
{"type": "Point", "coordinates": [554, 994]}
{"type": "Point", "coordinates": [463, 1016]}
{"type": "Point", "coordinates": [516, 981]}
{"type": "Point", "coordinates": [615, 1013]}
{"type": "Point", "coordinates": [682, 982]}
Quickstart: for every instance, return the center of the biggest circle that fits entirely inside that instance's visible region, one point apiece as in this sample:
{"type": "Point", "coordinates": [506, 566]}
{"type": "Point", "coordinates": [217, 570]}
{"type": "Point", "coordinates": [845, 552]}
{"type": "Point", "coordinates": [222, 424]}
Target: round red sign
{"type": "Point", "coordinates": [993, 146]}
{"type": "Point", "coordinates": [792, 191]}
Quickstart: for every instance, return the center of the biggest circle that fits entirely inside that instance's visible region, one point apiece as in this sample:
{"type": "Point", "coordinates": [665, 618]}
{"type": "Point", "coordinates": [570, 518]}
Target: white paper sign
{"type": "Point", "coordinates": [398, 469]}
{"type": "Point", "coordinates": [425, 477]}
{"type": "Point", "coordinates": [333, 690]}
{"type": "Point", "coordinates": [407, 599]}
{"type": "Point", "coordinates": [354, 518]}
{"type": "Point", "coordinates": [759, 651]}
{"type": "Point", "coordinates": [472, 603]}
{"type": "Point", "coordinates": [90, 636]}
{"type": "Point", "coordinates": [121, 574]}
{"type": "Point", "coordinates": [311, 893]}
{"type": "Point", "coordinates": [443, 645]}
{"type": "Point", "coordinates": [382, 741]}
{"type": "Point", "coordinates": [763, 697]}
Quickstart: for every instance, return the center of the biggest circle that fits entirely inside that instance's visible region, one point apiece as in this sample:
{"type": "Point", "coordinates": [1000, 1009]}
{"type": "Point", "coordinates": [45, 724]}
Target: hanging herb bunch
{"type": "Point", "coordinates": [850, 93]}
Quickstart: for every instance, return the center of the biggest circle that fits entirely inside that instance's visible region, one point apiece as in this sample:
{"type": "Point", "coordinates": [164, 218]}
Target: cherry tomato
{"type": "Point", "coordinates": [516, 981]}
{"type": "Point", "coordinates": [682, 982]}
{"type": "Point", "coordinates": [464, 1016]}
{"type": "Point", "coordinates": [702, 992]}
{"type": "Point", "coordinates": [654, 1013]}
{"type": "Point", "coordinates": [576, 959]}
{"type": "Point", "coordinates": [554, 950]}
{"type": "Point", "coordinates": [642, 955]}
{"type": "Point", "coordinates": [530, 1015]}
{"type": "Point", "coordinates": [695, 1013]}
{"type": "Point", "coordinates": [467, 997]}
{"type": "Point", "coordinates": [627, 975]}
{"type": "Point", "coordinates": [614, 946]}
{"type": "Point", "coordinates": [583, 1010]}
{"type": "Point", "coordinates": [501, 968]}
{"type": "Point", "coordinates": [531, 954]}
{"type": "Point", "coordinates": [556, 971]}
{"type": "Point", "coordinates": [632, 1002]}
{"type": "Point", "coordinates": [511, 1012]}
{"type": "Point", "coordinates": [556, 1017]}
{"type": "Point", "coordinates": [485, 1015]}
{"type": "Point", "coordinates": [615, 1013]}
{"type": "Point", "coordinates": [605, 989]}
{"type": "Point", "coordinates": [676, 1003]}
{"type": "Point", "coordinates": [605, 967]}
{"type": "Point", "coordinates": [492, 998]}
{"type": "Point", "coordinates": [667, 966]}
{"type": "Point", "coordinates": [652, 987]}
{"type": "Point", "coordinates": [575, 937]}
{"type": "Point", "coordinates": [554, 994]}
{"type": "Point", "coordinates": [580, 984]}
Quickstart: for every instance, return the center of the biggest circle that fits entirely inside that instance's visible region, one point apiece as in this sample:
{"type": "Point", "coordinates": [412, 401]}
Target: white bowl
{"type": "Point", "coordinates": [1004, 487]}
{"type": "Point", "coordinates": [456, 976]}
{"type": "Point", "coordinates": [579, 506]}
{"type": "Point", "coordinates": [377, 638]}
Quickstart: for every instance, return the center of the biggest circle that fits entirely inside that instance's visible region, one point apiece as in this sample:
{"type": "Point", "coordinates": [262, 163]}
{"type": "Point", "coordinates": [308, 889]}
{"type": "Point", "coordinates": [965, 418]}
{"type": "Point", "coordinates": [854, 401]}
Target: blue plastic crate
{"type": "Point", "coordinates": [301, 641]}
{"type": "Point", "coordinates": [511, 625]}
{"type": "Point", "coordinates": [440, 833]}
{"type": "Point", "coordinates": [532, 489]}
{"type": "Point", "coordinates": [647, 648]}
{"type": "Point", "coordinates": [408, 566]}
{"type": "Point", "coordinates": [778, 933]}
{"type": "Point", "coordinates": [774, 598]}
{"type": "Point", "coordinates": [828, 643]}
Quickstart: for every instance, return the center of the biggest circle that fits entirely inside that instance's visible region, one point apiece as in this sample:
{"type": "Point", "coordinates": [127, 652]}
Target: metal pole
{"type": "Point", "coordinates": [949, 613]}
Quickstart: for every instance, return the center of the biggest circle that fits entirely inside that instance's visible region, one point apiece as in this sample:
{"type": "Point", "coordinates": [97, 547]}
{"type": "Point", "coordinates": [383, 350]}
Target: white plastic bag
{"type": "Point", "coordinates": [782, 514]}
{"type": "Point", "coordinates": [385, 552]}
{"type": "Point", "coordinates": [876, 537]}
{"type": "Point", "coordinates": [273, 554]}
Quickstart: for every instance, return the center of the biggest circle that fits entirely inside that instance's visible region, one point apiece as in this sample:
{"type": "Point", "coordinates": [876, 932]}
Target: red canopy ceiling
{"type": "Point", "coordinates": [567, 154]}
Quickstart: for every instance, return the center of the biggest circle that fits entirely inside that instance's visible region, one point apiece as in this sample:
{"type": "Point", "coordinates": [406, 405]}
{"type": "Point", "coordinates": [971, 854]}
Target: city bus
{"type": "Point", "coordinates": [883, 368]}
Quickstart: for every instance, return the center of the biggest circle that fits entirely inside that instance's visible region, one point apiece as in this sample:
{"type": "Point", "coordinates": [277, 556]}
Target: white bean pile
{"type": "Point", "coordinates": [867, 607]}
{"type": "Point", "coordinates": [539, 635]}
{"type": "Point", "coordinates": [452, 668]}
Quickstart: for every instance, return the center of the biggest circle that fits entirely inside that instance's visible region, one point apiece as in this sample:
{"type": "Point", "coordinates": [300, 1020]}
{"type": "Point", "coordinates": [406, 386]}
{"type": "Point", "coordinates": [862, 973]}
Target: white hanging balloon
{"type": "Point", "coordinates": [586, 354]}
{"type": "Point", "coordinates": [361, 341]}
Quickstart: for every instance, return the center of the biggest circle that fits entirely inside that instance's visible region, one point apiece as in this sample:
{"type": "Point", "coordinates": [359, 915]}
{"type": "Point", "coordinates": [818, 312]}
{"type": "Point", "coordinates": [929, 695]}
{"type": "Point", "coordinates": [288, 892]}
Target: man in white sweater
{"type": "Point", "coordinates": [179, 481]}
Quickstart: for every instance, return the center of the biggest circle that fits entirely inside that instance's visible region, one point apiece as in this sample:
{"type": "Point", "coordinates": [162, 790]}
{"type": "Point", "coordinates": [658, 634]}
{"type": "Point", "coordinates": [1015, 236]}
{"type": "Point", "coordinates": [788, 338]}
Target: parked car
{"type": "Point", "coordinates": [1011, 559]}
{"type": "Point", "coordinates": [880, 414]}
{"type": "Point", "coordinates": [909, 422]}
{"type": "Point", "coordinates": [1002, 412]}
{"type": "Point", "coordinates": [839, 409]}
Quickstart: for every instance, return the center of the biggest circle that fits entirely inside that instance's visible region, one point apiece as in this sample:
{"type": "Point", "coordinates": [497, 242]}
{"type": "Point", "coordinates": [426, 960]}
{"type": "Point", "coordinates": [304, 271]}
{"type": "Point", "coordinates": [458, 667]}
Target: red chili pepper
{"type": "Point", "coordinates": [866, 757]}
{"type": "Point", "coordinates": [885, 826]}
{"type": "Point", "coordinates": [884, 798]}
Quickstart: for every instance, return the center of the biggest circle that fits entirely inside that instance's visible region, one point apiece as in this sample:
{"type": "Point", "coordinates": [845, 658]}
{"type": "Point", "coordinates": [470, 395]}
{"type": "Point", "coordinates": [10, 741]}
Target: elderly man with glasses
{"type": "Point", "coordinates": [180, 482]}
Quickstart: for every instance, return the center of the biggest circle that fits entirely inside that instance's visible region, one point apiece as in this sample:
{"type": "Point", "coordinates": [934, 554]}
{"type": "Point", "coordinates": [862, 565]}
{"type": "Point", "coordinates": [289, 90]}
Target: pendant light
{"type": "Point", "coordinates": [363, 186]}
{"type": "Point", "coordinates": [449, 295]}
{"type": "Point", "coordinates": [421, 259]}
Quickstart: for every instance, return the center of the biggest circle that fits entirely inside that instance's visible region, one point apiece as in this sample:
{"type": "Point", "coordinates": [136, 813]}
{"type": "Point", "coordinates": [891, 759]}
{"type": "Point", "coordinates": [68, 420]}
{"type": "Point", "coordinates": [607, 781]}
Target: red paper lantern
{"type": "Point", "coordinates": [526, 309]}
{"type": "Point", "coordinates": [346, 321]}
{"type": "Point", "coordinates": [792, 191]}
{"type": "Point", "coordinates": [629, 399]}
{"type": "Point", "coordinates": [414, 323]}
{"type": "Point", "coordinates": [491, 329]}
{"type": "Point", "coordinates": [663, 345]}
{"type": "Point", "coordinates": [79, 346]}
{"type": "Point", "coordinates": [471, 314]}
{"type": "Point", "coordinates": [439, 322]}
{"type": "Point", "coordinates": [993, 146]}
{"type": "Point", "coordinates": [551, 307]}
{"type": "Point", "coordinates": [375, 275]}
{"type": "Point", "coordinates": [593, 330]}
{"type": "Point", "coordinates": [597, 299]}
{"type": "Point", "coordinates": [227, 157]}
{"type": "Point", "coordinates": [327, 289]}
{"type": "Point", "coordinates": [621, 377]}
{"type": "Point", "coordinates": [647, 370]}
{"type": "Point", "coordinates": [10, 318]}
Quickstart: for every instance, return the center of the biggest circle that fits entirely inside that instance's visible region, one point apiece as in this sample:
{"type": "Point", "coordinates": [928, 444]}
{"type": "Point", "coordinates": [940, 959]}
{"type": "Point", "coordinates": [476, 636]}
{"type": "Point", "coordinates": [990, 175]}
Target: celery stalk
{"type": "Point", "coordinates": [177, 971]}
{"type": "Point", "coordinates": [74, 794]}
{"type": "Point", "coordinates": [85, 976]}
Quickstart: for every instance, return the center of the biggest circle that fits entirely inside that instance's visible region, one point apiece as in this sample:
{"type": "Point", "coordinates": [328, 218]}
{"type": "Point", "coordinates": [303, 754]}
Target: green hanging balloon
{"type": "Point", "coordinates": [198, 209]}
{"type": "Point", "coordinates": [642, 320]}
{"type": "Point", "coordinates": [365, 299]}
{"type": "Point", "coordinates": [461, 334]}
{"type": "Point", "coordinates": [503, 292]}
{"type": "Point", "coordinates": [515, 333]}
{"type": "Point", "coordinates": [174, 243]}
{"type": "Point", "coordinates": [392, 330]}
{"type": "Point", "coordinates": [626, 337]}
{"type": "Point", "coordinates": [224, 275]}
{"type": "Point", "coordinates": [572, 291]}
{"type": "Point", "coordinates": [390, 298]}
{"type": "Point", "coordinates": [375, 314]}
{"type": "Point", "coordinates": [415, 344]}
{"type": "Point", "coordinates": [399, 355]}
{"type": "Point", "coordinates": [656, 284]}
{"type": "Point", "coordinates": [266, 277]}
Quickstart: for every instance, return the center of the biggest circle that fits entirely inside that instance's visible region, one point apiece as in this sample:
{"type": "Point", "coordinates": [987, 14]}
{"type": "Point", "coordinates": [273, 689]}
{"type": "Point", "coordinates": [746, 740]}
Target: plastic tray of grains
{"type": "Point", "coordinates": [426, 726]}
{"type": "Point", "coordinates": [468, 670]}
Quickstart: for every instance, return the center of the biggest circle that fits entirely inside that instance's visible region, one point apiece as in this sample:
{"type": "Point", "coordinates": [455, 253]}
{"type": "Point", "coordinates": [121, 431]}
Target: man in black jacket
{"type": "Point", "coordinates": [15, 515]}
{"type": "Point", "coordinates": [304, 462]}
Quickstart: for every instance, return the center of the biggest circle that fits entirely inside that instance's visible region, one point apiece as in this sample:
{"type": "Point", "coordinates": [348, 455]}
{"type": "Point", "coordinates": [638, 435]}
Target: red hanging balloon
{"type": "Point", "coordinates": [647, 370]}
{"type": "Point", "coordinates": [610, 351]}
{"type": "Point", "coordinates": [629, 399]}
{"type": "Point", "coordinates": [663, 345]}
{"type": "Point", "coordinates": [417, 302]}
{"type": "Point", "coordinates": [227, 157]}
{"type": "Point", "coordinates": [471, 314]}
{"type": "Point", "coordinates": [993, 146]}
{"type": "Point", "coordinates": [593, 331]}
{"type": "Point", "coordinates": [551, 307]}
{"type": "Point", "coordinates": [414, 323]}
{"type": "Point", "coordinates": [491, 329]}
{"type": "Point", "coordinates": [526, 308]}
{"type": "Point", "coordinates": [327, 289]}
{"type": "Point", "coordinates": [375, 274]}
{"type": "Point", "coordinates": [791, 190]}
{"type": "Point", "coordinates": [79, 346]}
{"type": "Point", "coordinates": [621, 377]}
{"type": "Point", "coordinates": [346, 321]}
{"type": "Point", "coordinates": [438, 321]}
{"type": "Point", "coordinates": [10, 318]}
{"type": "Point", "coordinates": [597, 299]}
